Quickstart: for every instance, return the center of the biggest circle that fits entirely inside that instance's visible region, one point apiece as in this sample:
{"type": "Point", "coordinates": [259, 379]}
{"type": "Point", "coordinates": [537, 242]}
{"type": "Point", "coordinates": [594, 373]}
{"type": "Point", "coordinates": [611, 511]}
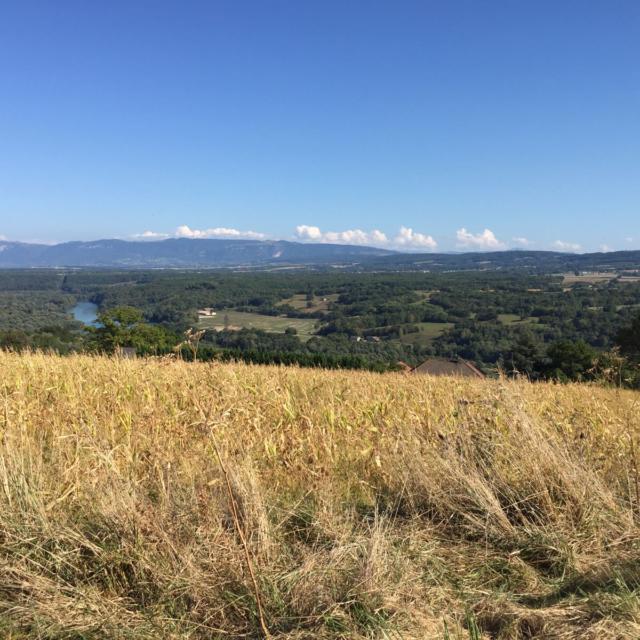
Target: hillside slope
{"type": "Point", "coordinates": [178, 252]}
{"type": "Point", "coordinates": [140, 499]}
{"type": "Point", "coordinates": [189, 253]}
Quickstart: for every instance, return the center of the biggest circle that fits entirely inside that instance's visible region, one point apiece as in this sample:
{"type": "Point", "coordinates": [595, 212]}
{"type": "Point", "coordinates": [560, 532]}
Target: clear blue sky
{"type": "Point", "coordinates": [446, 118]}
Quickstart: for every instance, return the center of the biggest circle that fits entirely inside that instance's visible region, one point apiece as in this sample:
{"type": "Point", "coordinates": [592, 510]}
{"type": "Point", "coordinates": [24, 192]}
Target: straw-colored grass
{"type": "Point", "coordinates": [366, 505]}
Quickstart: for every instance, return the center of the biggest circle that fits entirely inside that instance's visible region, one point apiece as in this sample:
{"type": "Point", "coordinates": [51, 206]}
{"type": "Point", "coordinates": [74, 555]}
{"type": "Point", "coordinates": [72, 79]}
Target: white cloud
{"type": "Point", "coordinates": [484, 240]}
{"type": "Point", "coordinates": [409, 238]}
{"type": "Point", "coordinates": [629, 239]}
{"type": "Point", "coordinates": [523, 242]}
{"type": "Point", "coordinates": [605, 248]}
{"type": "Point", "coordinates": [571, 247]}
{"type": "Point", "coordinates": [151, 235]}
{"type": "Point", "coordinates": [3, 238]}
{"type": "Point", "coordinates": [183, 231]}
{"type": "Point", "coordinates": [355, 236]}
{"type": "Point", "coordinates": [350, 236]}
{"type": "Point", "coordinates": [406, 238]}
{"type": "Point", "coordinates": [378, 237]}
{"type": "Point", "coordinates": [306, 232]}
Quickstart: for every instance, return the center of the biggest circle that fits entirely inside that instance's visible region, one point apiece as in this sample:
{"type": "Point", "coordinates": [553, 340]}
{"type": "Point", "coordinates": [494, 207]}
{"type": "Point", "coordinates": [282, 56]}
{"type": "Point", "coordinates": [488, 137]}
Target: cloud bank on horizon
{"type": "Point", "coordinates": [485, 240]}
{"type": "Point", "coordinates": [406, 238]}
{"type": "Point", "coordinates": [184, 231]}
{"type": "Point", "coordinates": [571, 247]}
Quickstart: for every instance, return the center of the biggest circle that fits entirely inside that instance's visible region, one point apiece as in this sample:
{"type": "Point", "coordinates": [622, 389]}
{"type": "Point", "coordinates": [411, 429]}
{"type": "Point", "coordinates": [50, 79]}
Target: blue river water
{"type": "Point", "coordinates": [86, 312]}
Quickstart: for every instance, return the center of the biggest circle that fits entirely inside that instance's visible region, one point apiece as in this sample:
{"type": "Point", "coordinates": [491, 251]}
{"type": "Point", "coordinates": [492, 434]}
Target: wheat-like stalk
{"type": "Point", "coordinates": [156, 498]}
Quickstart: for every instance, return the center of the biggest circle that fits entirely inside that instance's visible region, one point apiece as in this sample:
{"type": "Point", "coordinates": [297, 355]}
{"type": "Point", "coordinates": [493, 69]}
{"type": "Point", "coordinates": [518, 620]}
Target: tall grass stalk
{"type": "Point", "coordinates": [157, 498]}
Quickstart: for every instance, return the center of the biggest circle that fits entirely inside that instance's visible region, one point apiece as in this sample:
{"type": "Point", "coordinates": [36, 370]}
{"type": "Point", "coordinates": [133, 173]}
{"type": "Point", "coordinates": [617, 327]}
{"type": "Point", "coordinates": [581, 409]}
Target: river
{"type": "Point", "coordinates": [85, 312]}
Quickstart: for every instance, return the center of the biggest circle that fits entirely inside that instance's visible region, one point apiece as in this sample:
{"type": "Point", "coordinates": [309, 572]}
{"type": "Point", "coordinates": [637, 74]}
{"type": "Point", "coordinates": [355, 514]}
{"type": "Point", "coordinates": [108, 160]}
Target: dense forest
{"type": "Point", "coordinates": [541, 326]}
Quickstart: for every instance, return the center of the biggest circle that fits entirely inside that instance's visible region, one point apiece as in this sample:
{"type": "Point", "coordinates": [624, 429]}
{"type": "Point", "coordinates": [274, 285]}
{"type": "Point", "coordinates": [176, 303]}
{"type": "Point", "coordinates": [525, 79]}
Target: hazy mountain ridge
{"type": "Point", "coordinates": [211, 253]}
{"type": "Point", "coordinates": [534, 261]}
{"type": "Point", "coordinates": [179, 252]}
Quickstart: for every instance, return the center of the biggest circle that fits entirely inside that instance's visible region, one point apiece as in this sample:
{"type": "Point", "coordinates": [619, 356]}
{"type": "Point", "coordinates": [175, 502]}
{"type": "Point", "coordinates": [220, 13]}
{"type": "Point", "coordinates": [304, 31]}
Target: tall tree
{"type": "Point", "coordinates": [125, 327]}
{"type": "Point", "coordinates": [628, 339]}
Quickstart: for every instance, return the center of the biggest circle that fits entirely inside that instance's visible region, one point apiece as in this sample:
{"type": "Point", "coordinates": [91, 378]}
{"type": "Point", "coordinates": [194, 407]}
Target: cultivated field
{"type": "Point", "coordinates": [318, 303]}
{"type": "Point", "coordinates": [587, 278]}
{"type": "Point", "coordinates": [426, 333]}
{"type": "Point", "coordinates": [239, 319]}
{"type": "Point", "coordinates": [159, 499]}
{"type": "Point", "coordinates": [512, 318]}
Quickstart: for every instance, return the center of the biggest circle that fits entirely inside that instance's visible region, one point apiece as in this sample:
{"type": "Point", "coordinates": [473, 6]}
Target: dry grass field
{"type": "Point", "coordinates": [160, 499]}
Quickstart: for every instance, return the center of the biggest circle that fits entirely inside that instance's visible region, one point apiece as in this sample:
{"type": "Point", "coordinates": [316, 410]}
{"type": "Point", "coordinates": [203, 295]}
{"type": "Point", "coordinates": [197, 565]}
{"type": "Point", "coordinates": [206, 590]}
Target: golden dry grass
{"type": "Point", "coordinates": [373, 506]}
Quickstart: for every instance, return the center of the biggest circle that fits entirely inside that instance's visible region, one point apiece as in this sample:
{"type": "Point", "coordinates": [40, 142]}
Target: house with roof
{"type": "Point", "coordinates": [448, 367]}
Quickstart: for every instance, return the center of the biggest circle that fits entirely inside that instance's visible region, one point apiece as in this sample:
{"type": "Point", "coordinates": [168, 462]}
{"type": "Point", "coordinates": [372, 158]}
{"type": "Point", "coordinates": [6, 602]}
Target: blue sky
{"type": "Point", "coordinates": [419, 125]}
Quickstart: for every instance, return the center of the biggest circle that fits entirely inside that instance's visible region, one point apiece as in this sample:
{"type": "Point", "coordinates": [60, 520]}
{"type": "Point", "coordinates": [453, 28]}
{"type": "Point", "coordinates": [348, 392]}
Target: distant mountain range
{"type": "Point", "coordinates": [217, 253]}
{"type": "Point", "coordinates": [179, 252]}
{"type": "Point", "coordinates": [530, 261]}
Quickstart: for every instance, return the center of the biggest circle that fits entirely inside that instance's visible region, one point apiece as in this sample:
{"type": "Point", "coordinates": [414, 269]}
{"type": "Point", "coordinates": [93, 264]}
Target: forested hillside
{"type": "Point", "coordinates": [564, 326]}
